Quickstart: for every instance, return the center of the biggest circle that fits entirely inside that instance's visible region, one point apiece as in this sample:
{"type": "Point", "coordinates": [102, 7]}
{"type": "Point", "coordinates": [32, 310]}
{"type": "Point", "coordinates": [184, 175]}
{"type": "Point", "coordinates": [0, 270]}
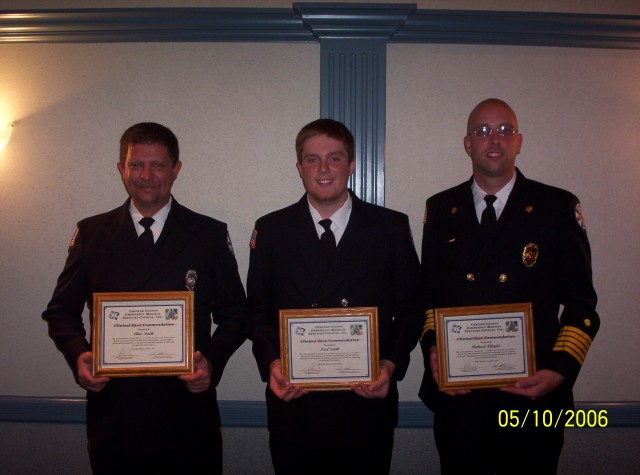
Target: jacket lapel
{"type": "Point", "coordinates": [348, 252]}
{"type": "Point", "coordinates": [304, 241]}
{"type": "Point", "coordinates": [465, 228]}
{"type": "Point", "coordinates": [516, 202]}
{"type": "Point", "coordinates": [130, 260]}
{"type": "Point", "coordinates": [174, 237]}
{"type": "Point", "coordinates": [504, 233]}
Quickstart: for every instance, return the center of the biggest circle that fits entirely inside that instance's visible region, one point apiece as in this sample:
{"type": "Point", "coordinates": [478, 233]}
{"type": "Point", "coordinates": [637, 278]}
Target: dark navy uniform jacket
{"type": "Point", "coordinates": [151, 413]}
{"type": "Point", "coordinates": [375, 265]}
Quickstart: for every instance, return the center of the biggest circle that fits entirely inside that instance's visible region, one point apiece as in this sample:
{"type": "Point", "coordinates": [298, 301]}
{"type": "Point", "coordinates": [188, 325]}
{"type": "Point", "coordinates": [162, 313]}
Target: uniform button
{"type": "Point", "coordinates": [344, 302]}
{"type": "Point", "coordinates": [587, 322]}
{"type": "Point", "coordinates": [314, 304]}
{"type": "Point", "coordinates": [471, 277]}
{"type": "Point", "coordinates": [503, 278]}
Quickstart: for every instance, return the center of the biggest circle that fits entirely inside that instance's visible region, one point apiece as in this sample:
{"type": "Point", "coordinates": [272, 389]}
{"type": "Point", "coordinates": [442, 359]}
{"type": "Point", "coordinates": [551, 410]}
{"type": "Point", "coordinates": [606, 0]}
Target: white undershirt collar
{"type": "Point", "coordinates": [339, 219]}
{"type": "Point", "coordinates": [501, 197]}
{"type": "Point", "coordinates": [160, 218]}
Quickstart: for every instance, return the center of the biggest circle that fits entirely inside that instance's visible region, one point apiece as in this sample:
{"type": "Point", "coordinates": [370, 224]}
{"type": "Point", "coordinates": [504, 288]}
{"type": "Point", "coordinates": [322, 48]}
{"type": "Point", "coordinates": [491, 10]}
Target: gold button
{"type": "Point", "coordinates": [503, 278]}
{"type": "Point", "coordinates": [471, 277]}
{"type": "Point", "coordinates": [587, 322]}
{"type": "Point", "coordinates": [454, 210]}
{"type": "Point", "coordinates": [529, 209]}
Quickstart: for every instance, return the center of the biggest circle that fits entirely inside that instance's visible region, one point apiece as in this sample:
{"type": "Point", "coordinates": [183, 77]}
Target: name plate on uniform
{"type": "Point", "coordinates": [484, 346]}
{"type": "Point", "coordinates": [142, 333]}
{"type": "Point", "coordinates": [330, 348]}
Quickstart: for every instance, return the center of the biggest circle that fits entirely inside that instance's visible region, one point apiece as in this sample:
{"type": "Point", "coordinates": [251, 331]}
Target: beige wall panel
{"type": "Point", "coordinates": [235, 108]}
{"type": "Point", "coordinates": [579, 113]}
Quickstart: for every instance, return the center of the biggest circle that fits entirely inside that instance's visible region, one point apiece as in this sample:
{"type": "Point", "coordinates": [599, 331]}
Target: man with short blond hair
{"type": "Point", "coordinates": [368, 260]}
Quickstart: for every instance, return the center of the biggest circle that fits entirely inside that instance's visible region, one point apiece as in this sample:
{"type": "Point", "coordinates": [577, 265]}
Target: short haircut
{"type": "Point", "coordinates": [150, 133]}
{"type": "Point", "coordinates": [329, 127]}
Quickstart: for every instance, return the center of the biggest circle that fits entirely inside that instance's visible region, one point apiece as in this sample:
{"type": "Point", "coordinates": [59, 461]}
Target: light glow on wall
{"type": "Point", "coordinates": [6, 129]}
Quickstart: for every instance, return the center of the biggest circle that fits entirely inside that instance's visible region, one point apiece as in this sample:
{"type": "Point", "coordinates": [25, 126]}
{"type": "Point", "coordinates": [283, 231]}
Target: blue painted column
{"type": "Point", "coordinates": [353, 91]}
{"type": "Point", "coordinates": [353, 60]}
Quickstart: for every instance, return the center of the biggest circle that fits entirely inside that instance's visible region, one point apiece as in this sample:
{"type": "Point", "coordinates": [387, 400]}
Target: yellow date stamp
{"type": "Point", "coordinates": [539, 418]}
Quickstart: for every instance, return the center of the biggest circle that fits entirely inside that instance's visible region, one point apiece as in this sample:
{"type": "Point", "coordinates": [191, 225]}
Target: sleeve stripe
{"type": "Point", "coordinates": [579, 343]}
{"type": "Point", "coordinates": [572, 353]}
{"type": "Point", "coordinates": [577, 352]}
{"type": "Point", "coordinates": [574, 341]}
{"type": "Point", "coordinates": [429, 324]}
{"type": "Point", "coordinates": [578, 333]}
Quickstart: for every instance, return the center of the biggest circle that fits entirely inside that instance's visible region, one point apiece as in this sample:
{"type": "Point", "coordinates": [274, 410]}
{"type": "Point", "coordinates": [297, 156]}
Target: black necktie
{"type": "Point", "coordinates": [327, 239]}
{"type": "Point", "coordinates": [488, 219]}
{"type": "Point", "coordinates": [146, 238]}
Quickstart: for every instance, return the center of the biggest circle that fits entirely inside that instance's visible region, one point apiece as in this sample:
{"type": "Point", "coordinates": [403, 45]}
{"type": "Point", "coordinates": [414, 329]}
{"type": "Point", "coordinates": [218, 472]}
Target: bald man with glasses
{"type": "Point", "coordinates": [500, 238]}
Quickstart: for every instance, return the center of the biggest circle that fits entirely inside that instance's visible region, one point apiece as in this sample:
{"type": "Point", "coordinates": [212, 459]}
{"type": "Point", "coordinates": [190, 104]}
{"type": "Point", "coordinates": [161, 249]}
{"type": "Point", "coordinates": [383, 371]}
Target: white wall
{"type": "Point", "coordinates": [579, 112]}
{"type": "Point", "coordinates": [236, 109]}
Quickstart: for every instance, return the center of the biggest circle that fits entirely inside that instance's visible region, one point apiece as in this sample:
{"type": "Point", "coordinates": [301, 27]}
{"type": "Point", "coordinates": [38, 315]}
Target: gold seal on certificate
{"type": "Point", "coordinates": [142, 333]}
{"type": "Point", "coordinates": [484, 346]}
{"type": "Point", "coordinates": [330, 348]}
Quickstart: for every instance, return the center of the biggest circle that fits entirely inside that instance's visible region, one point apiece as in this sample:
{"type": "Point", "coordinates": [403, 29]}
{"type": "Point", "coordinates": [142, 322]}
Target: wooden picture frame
{"type": "Point", "coordinates": [484, 346]}
{"type": "Point", "coordinates": [142, 333]}
{"type": "Point", "coordinates": [330, 348]}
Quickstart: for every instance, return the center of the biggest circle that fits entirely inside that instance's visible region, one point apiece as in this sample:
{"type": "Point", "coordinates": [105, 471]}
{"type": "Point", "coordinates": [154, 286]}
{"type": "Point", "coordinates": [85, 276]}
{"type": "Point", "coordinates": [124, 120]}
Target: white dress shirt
{"type": "Point", "coordinates": [339, 219]}
{"type": "Point", "coordinates": [160, 218]}
{"type": "Point", "coordinates": [501, 197]}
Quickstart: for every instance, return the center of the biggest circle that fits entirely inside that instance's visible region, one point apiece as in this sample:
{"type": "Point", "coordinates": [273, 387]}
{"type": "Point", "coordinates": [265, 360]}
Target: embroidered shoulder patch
{"type": "Point", "coordinates": [579, 216]}
{"type": "Point", "coordinates": [229, 244]}
{"type": "Point", "coordinates": [73, 238]}
{"type": "Point", "coordinates": [252, 242]}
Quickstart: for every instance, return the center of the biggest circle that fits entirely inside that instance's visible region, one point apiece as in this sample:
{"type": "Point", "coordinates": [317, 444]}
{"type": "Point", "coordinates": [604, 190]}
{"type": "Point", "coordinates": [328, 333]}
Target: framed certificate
{"type": "Point", "coordinates": [484, 346]}
{"type": "Point", "coordinates": [142, 333]}
{"type": "Point", "coordinates": [330, 348]}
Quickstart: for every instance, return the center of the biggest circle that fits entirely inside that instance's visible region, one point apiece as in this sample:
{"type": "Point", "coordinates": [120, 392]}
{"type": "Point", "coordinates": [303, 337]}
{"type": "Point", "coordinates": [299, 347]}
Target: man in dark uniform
{"type": "Point", "coordinates": [535, 249]}
{"type": "Point", "coordinates": [164, 424]}
{"type": "Point", "coordinates": [372, 263]}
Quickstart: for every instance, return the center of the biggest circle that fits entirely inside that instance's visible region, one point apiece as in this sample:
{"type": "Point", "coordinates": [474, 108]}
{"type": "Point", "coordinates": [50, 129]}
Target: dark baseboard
{"type": "Point", "coordinates": [413, 414]}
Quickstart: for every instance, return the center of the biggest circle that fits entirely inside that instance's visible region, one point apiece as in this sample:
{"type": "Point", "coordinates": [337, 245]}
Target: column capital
{"type": "Point", "coordinates": [354, 20]}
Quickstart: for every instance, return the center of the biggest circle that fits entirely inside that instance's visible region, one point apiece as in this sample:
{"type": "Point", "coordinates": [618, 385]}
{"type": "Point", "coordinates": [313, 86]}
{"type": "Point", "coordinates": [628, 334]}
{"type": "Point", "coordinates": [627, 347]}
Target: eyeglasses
{"type": "Point", "coordinates": [503, 130]}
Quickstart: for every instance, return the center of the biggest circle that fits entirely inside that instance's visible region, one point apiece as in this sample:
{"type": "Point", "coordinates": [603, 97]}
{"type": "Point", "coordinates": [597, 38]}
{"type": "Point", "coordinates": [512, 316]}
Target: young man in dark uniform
{"type": "Point", "coordinates": [372, 263]}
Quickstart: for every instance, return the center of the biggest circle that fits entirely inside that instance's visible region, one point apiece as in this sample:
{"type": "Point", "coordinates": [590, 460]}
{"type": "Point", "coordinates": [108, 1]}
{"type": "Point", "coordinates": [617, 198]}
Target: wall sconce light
{"type": "Point", "coordinates": [5, 134]}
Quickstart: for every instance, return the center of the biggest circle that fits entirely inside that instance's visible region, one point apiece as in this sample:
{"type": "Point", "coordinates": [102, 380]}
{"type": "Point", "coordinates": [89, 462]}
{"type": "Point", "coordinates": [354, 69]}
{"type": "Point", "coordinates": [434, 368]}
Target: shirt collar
{"type": "Point", "coordinates": [159, 218]}
{"type": "Point", "coordinates": [501, 196]}
{"type": "Point", "coordinates": [339, 219]}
